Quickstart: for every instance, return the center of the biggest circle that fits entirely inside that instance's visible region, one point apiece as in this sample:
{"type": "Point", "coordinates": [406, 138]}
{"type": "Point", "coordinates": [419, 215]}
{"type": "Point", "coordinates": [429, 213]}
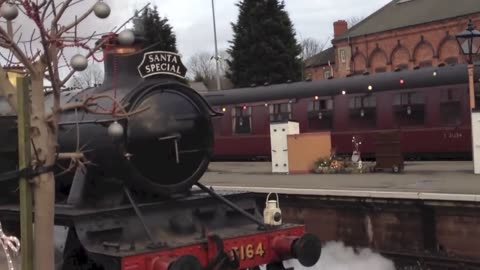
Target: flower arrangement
{"type": "Point", "coordinates": [336, 164]}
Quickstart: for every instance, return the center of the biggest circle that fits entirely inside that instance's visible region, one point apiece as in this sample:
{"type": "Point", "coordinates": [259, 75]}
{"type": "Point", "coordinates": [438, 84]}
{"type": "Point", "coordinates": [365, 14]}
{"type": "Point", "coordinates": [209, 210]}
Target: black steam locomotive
{"type": "Point", "coordinates": [149, 138]}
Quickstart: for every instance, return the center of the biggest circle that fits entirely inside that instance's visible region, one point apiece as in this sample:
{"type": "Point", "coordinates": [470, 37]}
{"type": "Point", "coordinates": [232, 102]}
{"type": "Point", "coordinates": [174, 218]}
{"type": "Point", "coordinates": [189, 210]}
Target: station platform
{"type": "Point", "coordinates": [444, 181]}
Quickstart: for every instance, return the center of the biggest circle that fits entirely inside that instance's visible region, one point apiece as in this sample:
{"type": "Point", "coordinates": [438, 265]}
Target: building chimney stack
{"type": "Point", "coordinates": [340, 27]}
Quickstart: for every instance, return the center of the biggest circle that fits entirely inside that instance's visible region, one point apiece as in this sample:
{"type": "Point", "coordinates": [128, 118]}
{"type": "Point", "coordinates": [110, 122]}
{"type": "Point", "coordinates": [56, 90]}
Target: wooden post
{"type": "Point", "coordinates": [471, 85]}
{"type": "Point", "coordinates": [24, 161]}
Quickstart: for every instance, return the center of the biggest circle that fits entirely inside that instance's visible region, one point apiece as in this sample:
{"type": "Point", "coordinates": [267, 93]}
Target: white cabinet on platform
{"type": "Point", "coordinates": [279, 145]}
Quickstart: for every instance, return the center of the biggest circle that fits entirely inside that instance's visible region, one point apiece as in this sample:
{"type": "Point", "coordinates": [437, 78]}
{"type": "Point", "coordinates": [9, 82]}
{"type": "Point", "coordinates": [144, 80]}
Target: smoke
{"type": "Point", "coordinates": [336, 256]}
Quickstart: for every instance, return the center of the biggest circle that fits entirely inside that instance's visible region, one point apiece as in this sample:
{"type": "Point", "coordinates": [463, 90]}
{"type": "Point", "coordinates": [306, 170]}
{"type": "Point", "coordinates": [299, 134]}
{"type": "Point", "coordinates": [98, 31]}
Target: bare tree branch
{"type": "Point", "coordinates": [61, 11]}
{"type": "Point", "coordinates": [17, 51]}
{"type": "Point", "coordinates": [201, 64]}
{"type": "Point", "coordinates": [352, 21]}
{"type": "Point", "coordinates": [90, 77]}
{"type": "Point", "coordinates": [76, 22]}
{"type": "Point", "coordinates": [75, 155]}
{"type": "Point", "coordinates": [92, 52]}
{"type": "Point", "coordinates": [310, 47]}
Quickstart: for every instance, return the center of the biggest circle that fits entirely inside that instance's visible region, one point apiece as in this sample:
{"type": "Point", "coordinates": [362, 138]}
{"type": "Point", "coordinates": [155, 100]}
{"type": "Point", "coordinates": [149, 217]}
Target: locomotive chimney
{"type": "Point", "coordinates": [340, 27]}
{"type": "Point", "coordinates": [117, 60]}
{"type": "Point", "coordinates": [112, 46]}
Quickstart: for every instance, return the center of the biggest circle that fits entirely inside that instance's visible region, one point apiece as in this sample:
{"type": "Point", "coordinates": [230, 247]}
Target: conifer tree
{"type": "Point", "coordinates": [264, 48]}
{"type": "Point", "coordinates": [155, 29]}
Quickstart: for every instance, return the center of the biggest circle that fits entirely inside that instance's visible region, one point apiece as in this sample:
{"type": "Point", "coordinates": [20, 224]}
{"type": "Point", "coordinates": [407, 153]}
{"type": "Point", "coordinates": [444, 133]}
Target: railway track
{"type": "Point", "coordinates": [408, 261]}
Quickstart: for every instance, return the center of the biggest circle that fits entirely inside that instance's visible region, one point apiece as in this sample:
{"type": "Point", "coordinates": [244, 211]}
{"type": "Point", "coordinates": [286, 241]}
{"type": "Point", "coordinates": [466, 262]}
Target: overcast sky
{"type": "Point", "coordinates": [192, 19]}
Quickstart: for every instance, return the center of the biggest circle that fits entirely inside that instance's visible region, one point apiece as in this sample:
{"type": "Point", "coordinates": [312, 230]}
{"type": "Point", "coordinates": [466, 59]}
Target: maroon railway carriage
{"type": "Point", "coordinates": [433, 118]}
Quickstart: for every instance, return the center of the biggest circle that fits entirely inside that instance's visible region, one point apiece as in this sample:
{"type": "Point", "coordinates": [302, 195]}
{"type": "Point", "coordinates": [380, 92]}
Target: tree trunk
{"type": "Point", "coordinates": [44, 189]}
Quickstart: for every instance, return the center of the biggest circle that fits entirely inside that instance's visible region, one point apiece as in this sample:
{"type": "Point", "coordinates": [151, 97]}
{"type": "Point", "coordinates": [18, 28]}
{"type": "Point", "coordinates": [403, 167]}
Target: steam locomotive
{"type": "Point", "coordinates": [140, 205]}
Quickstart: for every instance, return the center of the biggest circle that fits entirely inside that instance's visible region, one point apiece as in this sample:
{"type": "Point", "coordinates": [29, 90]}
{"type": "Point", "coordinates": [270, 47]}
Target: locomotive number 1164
{"type": "Point", "coordinates": [249, 251]}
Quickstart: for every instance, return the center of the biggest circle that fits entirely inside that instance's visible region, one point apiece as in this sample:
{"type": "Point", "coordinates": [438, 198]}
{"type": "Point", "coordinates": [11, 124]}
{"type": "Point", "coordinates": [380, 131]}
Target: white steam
{"type": "Point", "coordinates": [336, 256]}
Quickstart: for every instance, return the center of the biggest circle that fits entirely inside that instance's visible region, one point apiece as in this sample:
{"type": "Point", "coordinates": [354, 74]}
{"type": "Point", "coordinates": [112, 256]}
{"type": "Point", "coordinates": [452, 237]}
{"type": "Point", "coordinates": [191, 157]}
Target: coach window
{"type": "Point", "coordinates": [409, 108]}
{"type": "Point", "coordinates": [242, 123]}
{"type": "Point", "coordinates": [320, 114]}
{"type": "Point", "coordinates": [280, 112]}
{"type": "Point", "coordinates": [380, 70]}
{"type": "Point", "coordinates": [402, 67]}
{"type": "Point", "coordinates": [363, 113]}
{"type": "Point", "coordinates": [451, 61]}
{"type": "Point", "coordinates": [450, 107]}
{"type": "Point", "coordinates": [217, 122]}
{"type": "Point", "coordinates": [424, 64]}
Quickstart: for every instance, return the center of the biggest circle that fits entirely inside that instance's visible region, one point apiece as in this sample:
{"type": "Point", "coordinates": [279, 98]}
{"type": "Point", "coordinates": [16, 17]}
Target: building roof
{"type": "Point", "coordinates": [199, 87]}
{"type": "Point", "coordinates": [403, 13]}
{"type": "Point", "coordinates": [322, 58]}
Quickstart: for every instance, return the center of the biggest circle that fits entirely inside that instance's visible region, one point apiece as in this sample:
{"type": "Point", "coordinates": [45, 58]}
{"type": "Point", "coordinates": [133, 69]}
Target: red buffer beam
{"type": "Point", "coordinates": [234, 253]}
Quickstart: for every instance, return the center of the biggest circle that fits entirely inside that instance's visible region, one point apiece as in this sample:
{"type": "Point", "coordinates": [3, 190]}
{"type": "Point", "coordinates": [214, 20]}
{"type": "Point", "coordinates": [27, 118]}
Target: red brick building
{"type": "Point", "coordinates": [404, 34]}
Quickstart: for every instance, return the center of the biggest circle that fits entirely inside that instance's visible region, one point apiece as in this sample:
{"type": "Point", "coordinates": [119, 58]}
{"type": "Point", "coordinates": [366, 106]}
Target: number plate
{"type": "Point", "coordinates": [249, 251]}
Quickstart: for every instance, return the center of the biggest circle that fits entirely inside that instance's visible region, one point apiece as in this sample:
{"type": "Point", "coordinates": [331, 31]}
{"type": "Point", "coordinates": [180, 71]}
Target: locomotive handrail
{"type": "Point", "coordinates": [232, 205]}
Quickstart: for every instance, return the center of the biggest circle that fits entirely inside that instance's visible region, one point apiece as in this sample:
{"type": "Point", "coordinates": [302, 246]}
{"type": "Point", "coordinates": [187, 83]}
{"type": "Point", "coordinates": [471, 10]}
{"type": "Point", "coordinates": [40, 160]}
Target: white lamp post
{"type": "Point", "coordinates": [219, 87]}
{"type": "Point", "coordinates": [468, 42]}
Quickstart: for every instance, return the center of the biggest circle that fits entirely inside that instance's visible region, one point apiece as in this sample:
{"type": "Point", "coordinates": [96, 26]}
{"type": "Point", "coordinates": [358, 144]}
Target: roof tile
{"type": "Point", "coordinates": [404, 13]}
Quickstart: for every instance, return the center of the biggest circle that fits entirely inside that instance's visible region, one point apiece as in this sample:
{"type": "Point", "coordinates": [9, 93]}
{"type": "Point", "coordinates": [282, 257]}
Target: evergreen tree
{"type": "Point", "coordinates": [264, 48]}
{"type": "Point", "coordinates": [155, 29]}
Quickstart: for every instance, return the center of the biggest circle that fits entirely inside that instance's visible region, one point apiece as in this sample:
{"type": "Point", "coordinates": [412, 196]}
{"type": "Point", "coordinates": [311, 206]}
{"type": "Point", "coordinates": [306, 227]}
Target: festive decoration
{"type": "Point", "coordinates": [115, 130]}
{"type": "Point", "coordinates": [101, 10]}
{"type": "Point", "coordinates": [344, 165]}
{"type": "Point", "coordinates": [9, 243]}
{"type": "Point", "coordinates": [79, 62]}
{"type": "Point", "coordinates": [9, 11]}
{"type": "Point", "coordinates": [126, 37]}
{"type": "Point", "coordinates": [356, 151]}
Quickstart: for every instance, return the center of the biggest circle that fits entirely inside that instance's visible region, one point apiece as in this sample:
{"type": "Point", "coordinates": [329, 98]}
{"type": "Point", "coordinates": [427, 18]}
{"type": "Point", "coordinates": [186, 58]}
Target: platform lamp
{"type": "Point", "coordinates": [468, 41]}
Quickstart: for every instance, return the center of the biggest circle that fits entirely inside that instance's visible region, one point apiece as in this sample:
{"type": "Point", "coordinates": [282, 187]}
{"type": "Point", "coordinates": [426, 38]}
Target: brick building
{"type": "Point", "coordinates": [404, 34]}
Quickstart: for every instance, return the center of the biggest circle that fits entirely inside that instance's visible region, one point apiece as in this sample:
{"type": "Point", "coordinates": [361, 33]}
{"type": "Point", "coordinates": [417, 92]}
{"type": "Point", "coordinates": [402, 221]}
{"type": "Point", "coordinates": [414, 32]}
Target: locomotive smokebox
{"type": "Point", "coordinates": [167, 138]}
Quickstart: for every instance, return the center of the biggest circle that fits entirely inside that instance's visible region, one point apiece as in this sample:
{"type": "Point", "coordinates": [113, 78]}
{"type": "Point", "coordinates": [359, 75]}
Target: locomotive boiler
{"type": "Point", "coordinates": [148, 138]}
{"type": "Point", "coordinates": [165, 130]}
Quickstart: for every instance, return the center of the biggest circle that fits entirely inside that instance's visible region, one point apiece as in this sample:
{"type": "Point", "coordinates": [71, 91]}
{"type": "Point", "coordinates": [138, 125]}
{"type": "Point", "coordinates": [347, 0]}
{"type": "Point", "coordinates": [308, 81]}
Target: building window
{"type": "Point", "coordinates": [280, 112]}
{"type": "Point", "coordinates": [327, 74]}
{"type": "Point", "coordinates": [450, 107]}
{"type": "Point", "coordinates": [343, 56]}
{"type": "Point", "coordinates": [320, 114]}
{"type": "Point", "coordinates": [363, 111]}
{"type": "Point", "coordinates": [242, 117]}
{"type": "Point", "coordinates": [409, 108]}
